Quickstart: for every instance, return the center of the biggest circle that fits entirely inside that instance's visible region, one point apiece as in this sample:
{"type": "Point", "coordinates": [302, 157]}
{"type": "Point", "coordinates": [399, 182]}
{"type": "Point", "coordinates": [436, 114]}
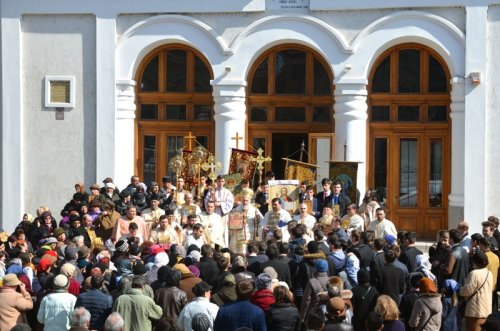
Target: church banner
{"type": "Point", "coordinates": [347, 174]}
{"type": "Point", "coordinates": [232, 182]}
{"type": "Point", "coordinates": [301, 171]}
{"type": "Point", "coordinates": [241, 163]}
{"type": "Point", "coordinates": [287, 191]}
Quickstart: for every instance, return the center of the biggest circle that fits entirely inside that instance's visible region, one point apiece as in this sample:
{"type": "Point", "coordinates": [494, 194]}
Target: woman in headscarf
{"type": "Point", "coordinates": [424, 266]}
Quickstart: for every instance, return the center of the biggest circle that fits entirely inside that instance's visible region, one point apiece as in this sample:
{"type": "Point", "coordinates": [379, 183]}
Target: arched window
{"type": "Point", "coordinates": [289, 96]}
{"type": "Point", "coordinates": [409, 141]}
{"type": "Point", "coordinates": [174, 99]}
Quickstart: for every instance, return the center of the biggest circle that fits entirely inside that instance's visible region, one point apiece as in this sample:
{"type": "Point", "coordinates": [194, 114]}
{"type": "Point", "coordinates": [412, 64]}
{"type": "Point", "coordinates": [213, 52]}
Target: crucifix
{"type": "Point", "coordinates": [211, 165]}
{"type": "Point", "coordinates": [260, 160]}
{"type": "Point", "coordinates": [190, 139]}
{"type": "Point", "coordinates": [237, 138]}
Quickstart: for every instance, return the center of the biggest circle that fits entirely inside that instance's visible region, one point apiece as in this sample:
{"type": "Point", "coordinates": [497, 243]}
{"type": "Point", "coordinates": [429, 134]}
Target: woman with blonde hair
{"type": "Point", "coordinates": [388, 309]}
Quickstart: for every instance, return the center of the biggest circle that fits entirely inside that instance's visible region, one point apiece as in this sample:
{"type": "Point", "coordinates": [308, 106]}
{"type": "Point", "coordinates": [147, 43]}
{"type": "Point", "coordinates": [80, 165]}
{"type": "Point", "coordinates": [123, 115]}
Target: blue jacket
{"type": "Point", "coordinates": [99, 306]}
{"type": "Point", "coordinates": [240, 314]}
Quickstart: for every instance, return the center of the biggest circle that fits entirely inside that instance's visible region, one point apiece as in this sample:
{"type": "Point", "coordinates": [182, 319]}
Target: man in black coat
{"type": "Point", "coordinates": [98, 303]}
{"type": "Point", "coordinates": [263, 199]}
{"type": "Point", "coordinates": [409, 256]}
{"type": "Point", "coordinates": [207, 265]}
{"type": "Point", "coordinates": [392, 279]}
{"type": "Point", "coordinates": [325, 197]}
{"type": "Point", "coordinates": [280, 266]}
{"type": "Point", "coordinates": [339, 198]}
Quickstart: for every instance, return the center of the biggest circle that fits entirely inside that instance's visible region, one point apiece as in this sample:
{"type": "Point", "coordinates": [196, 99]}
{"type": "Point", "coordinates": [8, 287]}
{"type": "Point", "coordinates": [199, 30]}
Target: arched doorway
{"type": "Point", "coordinates": [409, 137]}
{"type": "Point", "coordinates": [174, 99]}
{"type": "Point", "coordinates": [290, 101]}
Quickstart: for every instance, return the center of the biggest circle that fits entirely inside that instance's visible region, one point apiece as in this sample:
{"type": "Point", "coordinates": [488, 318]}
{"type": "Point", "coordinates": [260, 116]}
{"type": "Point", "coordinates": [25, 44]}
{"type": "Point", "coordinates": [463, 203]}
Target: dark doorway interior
{"type": "Point", "coordinates": [284, 145]}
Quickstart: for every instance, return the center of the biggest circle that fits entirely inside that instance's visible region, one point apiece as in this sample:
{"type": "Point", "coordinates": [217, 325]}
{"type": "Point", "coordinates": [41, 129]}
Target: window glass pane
{"type": "Point", "coordinates": [290, 114]}
{"type": "Point", "coordinates": [437, 113]}
{"type": "Point", "coordinates": [176, 112]}
{"type": "Point", "coordinates": [201, 76]}
{"type": "Point", "coordinates": [202, 112]}
{"type": "Point", "coordinates": [149, 112]}
{"type": "Point", "coordinates": [149, 159]}
{"type": "Point", "coordinates": [258, 114]}
{"type": "Point", "coordinates": [149, 80]}
{"type": "Point", "coordinates": [381, 114]}
{"type": "Point", "coordinates": [409, 71]}
{"type": "Point", "coordinates": [437, 76]}
{"type": "Point", "coordinates": [381, 82]}
{"type": "Point", "coordinates": [408, 173]}
{"type": "Point", "coordinates": [259, 143]}
{"type": "Point", "coordinates": [321, 80]}
{"type": "Point", "coordinates": [381, 169]}
{"type": "Point", "coordinates": [174, 144]}
{"type": "Point", "coordinates": [321, 114]}
{"type": "Point", "coordinates": [176, 70]}
{"type": "Point", "coordinates": [202, 140]}
{"type": "Point", "coordinates": [436, 173]}
{"type": "Point", "coordinates": [290, 72]}
{"type": "Point", "coordinates": [409, 113]}
{"type": "Point", "coordinates": [260, 78]}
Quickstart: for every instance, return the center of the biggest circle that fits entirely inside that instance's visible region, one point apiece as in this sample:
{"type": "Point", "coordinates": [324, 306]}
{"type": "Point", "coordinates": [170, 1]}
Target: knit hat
{"type": "Point", "coordinates": [182, 268]}
{"type": "Point", "coordinates": [427, 285]}
{"type": "Point", "coordinates": [271, 272]}
{"type": "Point", "coordinates": [336, 307]}
{"type": "Point", "coordinates": [58, 231]}
{"type": "Point", "coordinates": [95, 187]}
{"type": "Point", "coordinates": [50, 240]}
{"type": "Point", "coordinates": [61, 281]}
{"type": "Point", "coordinates": [200, 288]}
{"type": "Point", "coordinates": [68, 270]}
{"type": "Point", "coordinates": [110, 185]}
{"type": "Point", "coordinates": [363, 276]}
{"type": "Point", "coordinates": [195, 256]}
{"type": "Point", "coordinates": [263, 281]}
{"type": "Point", "coordinates": [46, 214]}
{"type": "Point", "coordinates": [480, 259]}
{"type": "Point", "coordinates": [11, 280]}
{"type": "Point", "coordinates": [44, 265]}
{"type": "Point", "coordinates": [161, 259]}
{"type": "Point", "coordinates": [155, 249]}
{"type": "Point", "coordinates": [121, 246]}
{"type": "Point", "coordinates": [71, 253]}
{"type": "Point", "coordinates": [83, 252]}
{"type": "Point", "coordinates": [200, 322]}
{"type": "Point", "coordinates": [194, 270]}
{"type": "Point", "coordinates": [321, 265]}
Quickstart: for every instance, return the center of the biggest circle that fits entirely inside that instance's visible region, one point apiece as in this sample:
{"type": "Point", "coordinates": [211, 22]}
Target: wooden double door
{"type": "Point", "coordinates": [410, 169]}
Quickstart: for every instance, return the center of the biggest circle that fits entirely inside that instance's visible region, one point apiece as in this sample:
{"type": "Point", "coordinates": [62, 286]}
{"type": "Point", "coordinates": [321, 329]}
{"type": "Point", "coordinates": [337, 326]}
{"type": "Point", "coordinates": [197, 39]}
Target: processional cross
{"type": "Point", "coordinates": [260, 160]}
{"type": "Point", "coordinates": [237, 138]}
{"type": "Point", "coordinates": [190, 139]}
{"type": "Point", "coordinates": [212, 165]}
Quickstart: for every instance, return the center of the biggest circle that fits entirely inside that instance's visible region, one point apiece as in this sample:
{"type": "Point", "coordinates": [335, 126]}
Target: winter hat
{"type": "Point", "coordinates": [390, 239]}
{"type": "Point", "coordinates": [83, 252]}
{"type": "Point", "coordinates": [71, 253]}
{"type": "Point", "coordinates": [58, 231]}
{"type": "Point", "coordinates": [336, 307]}
{"type": "Point", "coordinates": [427, 285]}
{"type": "Point", "coordinates": [194, 270]}
{"type": "Point", "coordinates": [271, 272]}
{"type": "Point", "coordinates": [50, 240]}
{"type": "Point", "coordinates": [451, 285]}
{"type": "Point", "coordinates": [46, 214]}
{"type": "Point", "coordinates": [195, 256]}
{"type": "Point", "coordinates": [140, 269]}
{"type": "Point", "coordinates": [68, 270]}
{"type": "Point", "coordinates": [182, 268]}
{"type": "Point", "coordinates": [110, 185]}
{"type": "Point", "coordinates": [43, 265]}
{"type": "Point", "coordinates": [321, 265]}
{"type": "Point", "coordinates": [121, 246]}
{"type": "Point", "coordinates": [263, 281]}
{"type": "Point", "coordinates": [161, 259]}
{"type": "Point", "coordinates": [200, 322]}
{"type": "Point", "coordinates": [14, 269]}
{"type": "Point", "coordinates": [61, 282]}
{"type": "Point", "coordinates": [155, 249]}
{"type": "Point", "coordinates": [363, 276]}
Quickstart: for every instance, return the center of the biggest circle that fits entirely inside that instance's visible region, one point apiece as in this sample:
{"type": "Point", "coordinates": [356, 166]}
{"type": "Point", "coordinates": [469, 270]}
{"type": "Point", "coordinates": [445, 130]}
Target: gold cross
{"type": "Point", "coordinates": [260, 160]}
{"type": "Point", "coordinates": [213, 166]}
{"type": "Point", "coordinates": [190, 139]}
{"type": "Point", "coordinates": [237, 138]}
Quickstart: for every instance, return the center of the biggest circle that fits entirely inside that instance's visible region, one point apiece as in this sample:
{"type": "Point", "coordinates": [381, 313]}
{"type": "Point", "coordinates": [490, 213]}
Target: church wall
{"type": "Point", "coordinates": [492, 79]}
{"type": "Point", "coordinates": [57, 153]}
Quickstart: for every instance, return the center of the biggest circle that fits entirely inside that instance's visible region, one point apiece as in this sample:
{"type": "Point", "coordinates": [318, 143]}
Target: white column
{"type": "Point", "coordinates": [350, 125]}
{"type": "Point", "coordinates": [475, 118]}
{"type": "Point", "coordinates": [124, 132]}
{"type": "Point", "coordinates": [12, 179]}
{"type": "Point", "coordinates": [456, 197]}
{"type": "Point", "coordinates": [230, 117]}
{"type": "Point", "coordinates": [105, 98]}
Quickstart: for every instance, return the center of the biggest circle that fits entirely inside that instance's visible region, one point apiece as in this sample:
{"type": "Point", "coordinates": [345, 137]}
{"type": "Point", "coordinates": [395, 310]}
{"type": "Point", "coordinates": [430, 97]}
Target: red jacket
{"type": "Point", "coordinates": [263, 298]}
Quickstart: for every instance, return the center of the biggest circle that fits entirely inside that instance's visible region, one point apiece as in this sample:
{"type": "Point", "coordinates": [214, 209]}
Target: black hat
{"type": "Point", "coordinates": [200, 289]}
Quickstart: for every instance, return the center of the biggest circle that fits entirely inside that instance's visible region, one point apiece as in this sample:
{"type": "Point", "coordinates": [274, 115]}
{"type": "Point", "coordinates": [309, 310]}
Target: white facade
{"type": "Point", "coordinates": [102, 44]}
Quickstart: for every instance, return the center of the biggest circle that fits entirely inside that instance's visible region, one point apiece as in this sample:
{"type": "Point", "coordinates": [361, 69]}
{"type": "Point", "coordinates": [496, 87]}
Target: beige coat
{"type": "Point", "coordinates": [478, 306]}
{"type": "Point", "coordinates": [12, 304]}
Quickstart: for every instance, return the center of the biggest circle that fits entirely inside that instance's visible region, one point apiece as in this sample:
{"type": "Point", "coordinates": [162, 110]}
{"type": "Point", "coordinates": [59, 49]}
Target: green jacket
{"type": "Point", "coordinates": [137, 310]}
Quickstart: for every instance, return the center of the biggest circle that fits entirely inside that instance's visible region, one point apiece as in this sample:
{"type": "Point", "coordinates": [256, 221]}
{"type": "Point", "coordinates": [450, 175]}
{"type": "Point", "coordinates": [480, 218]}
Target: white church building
{"type": "Point", "coordinates": [409, 89]}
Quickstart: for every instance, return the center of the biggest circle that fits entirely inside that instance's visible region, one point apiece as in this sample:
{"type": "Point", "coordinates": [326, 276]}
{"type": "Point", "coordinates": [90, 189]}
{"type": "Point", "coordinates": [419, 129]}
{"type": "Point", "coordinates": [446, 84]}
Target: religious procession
{"type": "Point", "coordinates": [243, 251]}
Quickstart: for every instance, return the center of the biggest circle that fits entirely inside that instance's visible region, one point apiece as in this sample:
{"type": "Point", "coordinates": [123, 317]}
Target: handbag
{"type": "Point", "coordinates": [463, 302]}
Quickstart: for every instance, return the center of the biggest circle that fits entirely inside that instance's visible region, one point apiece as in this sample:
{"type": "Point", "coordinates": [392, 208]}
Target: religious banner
{"type": "Point", "coordinates": [287, 191]}
{"type": "Point", "coordinates": [301, 171]}
{"type": "Point", "coordinates": [241, 163]}
{"type": "Point", "coordinates": [347, 174]}
{"type": "Point", "coordinates": [236, 220]}
{"type": "Point", "coordinates": [232, 182]}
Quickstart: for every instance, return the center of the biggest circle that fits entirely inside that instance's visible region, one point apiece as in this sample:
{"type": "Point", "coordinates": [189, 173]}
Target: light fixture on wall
{"type": "Point", "coordinates": [475, 77]}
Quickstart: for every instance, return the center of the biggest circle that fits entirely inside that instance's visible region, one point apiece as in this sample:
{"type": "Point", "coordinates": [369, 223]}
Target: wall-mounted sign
{"type": "Point", "coordinates": [59, 91]}
{"type": "Point", "coordinates": [288, 4]}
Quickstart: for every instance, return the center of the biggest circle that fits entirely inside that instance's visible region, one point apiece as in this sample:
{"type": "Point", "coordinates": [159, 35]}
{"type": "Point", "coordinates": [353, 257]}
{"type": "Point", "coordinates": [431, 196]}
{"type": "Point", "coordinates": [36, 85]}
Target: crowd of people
{"type": "Point", "coordinates": [168, 258]}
